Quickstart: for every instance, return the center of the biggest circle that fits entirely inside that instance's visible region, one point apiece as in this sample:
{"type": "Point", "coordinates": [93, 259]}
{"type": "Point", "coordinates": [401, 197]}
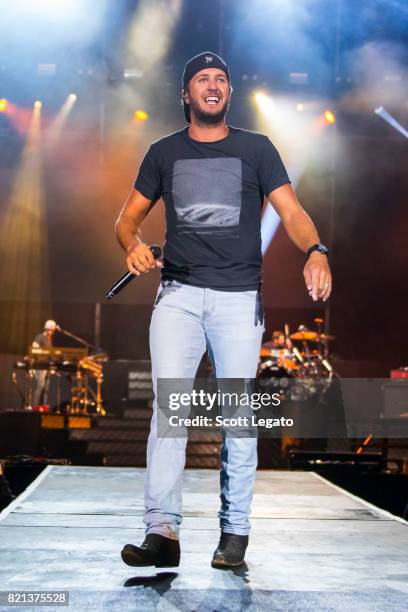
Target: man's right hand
{"type": "Point", "coordinates": [140, 259]}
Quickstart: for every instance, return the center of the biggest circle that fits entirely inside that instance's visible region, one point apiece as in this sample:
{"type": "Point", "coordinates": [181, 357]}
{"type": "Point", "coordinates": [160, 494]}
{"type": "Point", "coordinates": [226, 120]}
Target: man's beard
{"type": "Point", "coordinates": [209, 118]}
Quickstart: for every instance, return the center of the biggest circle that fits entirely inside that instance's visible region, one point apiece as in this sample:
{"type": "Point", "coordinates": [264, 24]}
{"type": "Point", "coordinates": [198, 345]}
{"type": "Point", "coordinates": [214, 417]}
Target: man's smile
{"type": "Point", "coordinates": [212, 100]}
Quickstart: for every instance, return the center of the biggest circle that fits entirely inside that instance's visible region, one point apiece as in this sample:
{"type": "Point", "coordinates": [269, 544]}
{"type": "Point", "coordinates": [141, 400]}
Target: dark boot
{"type": "Point", "coordinates": [6, 497]}
{"type": "Point", "coordinates": [156, 550]}
{"type": "Point", "coordinates": [230, 550]}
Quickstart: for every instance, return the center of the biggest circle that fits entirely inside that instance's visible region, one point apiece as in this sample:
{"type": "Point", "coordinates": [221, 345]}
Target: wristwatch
{"type": "Point", "coordinates": [317, 247]}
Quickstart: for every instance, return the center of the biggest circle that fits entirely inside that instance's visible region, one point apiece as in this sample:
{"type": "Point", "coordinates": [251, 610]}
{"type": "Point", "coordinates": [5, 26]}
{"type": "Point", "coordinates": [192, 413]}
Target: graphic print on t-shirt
{"type": "Point", "coordinates": [207, 196]}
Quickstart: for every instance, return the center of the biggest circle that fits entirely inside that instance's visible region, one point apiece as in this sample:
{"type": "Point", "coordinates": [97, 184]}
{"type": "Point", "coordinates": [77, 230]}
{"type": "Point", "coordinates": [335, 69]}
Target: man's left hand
{"type": "Point", "coordinates": [318, 277]}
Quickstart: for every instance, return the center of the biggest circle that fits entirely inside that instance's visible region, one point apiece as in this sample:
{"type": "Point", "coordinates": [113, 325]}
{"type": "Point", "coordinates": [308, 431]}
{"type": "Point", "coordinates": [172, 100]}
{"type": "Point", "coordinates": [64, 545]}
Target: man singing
{"type": "Point", "coordinates": [213, 178]}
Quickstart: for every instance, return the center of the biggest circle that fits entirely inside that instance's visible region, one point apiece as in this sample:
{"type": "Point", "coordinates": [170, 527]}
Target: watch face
{"type": "Point", "coordinates": [322, 249]}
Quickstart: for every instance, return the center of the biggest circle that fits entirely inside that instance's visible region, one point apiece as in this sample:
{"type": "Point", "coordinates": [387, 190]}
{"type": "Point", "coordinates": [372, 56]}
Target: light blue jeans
{"type": "Point", "coordinates": [185, 321]}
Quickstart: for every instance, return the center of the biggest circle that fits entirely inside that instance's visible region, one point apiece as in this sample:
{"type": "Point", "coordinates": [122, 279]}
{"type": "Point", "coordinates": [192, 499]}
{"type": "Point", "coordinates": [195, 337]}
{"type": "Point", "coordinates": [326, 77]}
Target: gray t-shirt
{"type": "Point", "coordinates": [43, 340]}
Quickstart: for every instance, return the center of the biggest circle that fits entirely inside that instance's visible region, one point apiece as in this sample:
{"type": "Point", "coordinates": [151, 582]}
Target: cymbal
{"type": "Point", "coordinates": [304, 335]}
{"type": "Point", "coordinates": [311, 336]}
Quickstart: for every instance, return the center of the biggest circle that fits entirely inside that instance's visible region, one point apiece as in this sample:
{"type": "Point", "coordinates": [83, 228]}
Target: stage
{"type": "Point", "coordinates": [312, 547]}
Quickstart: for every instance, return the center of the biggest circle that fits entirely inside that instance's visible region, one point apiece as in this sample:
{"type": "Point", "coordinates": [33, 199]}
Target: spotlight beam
{"type": "Point", "coordinates": [142, 49]}
{"type": "Point", "coordinates": [292, 131]}
{"type": "Point", "coordinates": [381, 112]}
{"type": "Point", "coordinates": [60, 120]}
{"type": "Point", "coordinates": [270, 219]}
{"type": "Point", "coordinates": [24, 270]}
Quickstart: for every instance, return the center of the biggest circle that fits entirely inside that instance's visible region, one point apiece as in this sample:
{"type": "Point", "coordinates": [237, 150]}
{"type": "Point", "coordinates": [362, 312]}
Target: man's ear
{"type": "Point", "coordinates": [184, 95]}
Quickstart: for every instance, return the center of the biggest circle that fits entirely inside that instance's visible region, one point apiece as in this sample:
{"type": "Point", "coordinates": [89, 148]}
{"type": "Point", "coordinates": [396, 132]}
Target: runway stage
{"type": "Point", "coordinates": [312, 546]}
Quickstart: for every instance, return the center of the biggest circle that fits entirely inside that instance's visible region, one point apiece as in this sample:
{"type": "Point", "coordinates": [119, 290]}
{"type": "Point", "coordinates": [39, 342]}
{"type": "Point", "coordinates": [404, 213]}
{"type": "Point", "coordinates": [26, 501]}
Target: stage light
{"type": "Point", "coordinates": [46, 69]}
{"type": "Point", "coordinates": [141, 115]}
{"type": "Point", "coordinates": [264, 102]}
{"type": "Point", "coordinates": [381, 112]}
{"type": "Point", "coordinates": [329, 116]}
{"type": "Point", "coordinates": [37, 104]}
{"type": "Point", "coordinates": [72, 97]}
{"type": "Point", "coordinates": [3, 105]}
{"type": "Point", "coordinates": [260, 96]}
{"type": "Point", "coordinates": [299, 107]}
{"type": "Point", "coordinates": [132, 73]}
{"type": "Point", "coordinates": [298, 78]}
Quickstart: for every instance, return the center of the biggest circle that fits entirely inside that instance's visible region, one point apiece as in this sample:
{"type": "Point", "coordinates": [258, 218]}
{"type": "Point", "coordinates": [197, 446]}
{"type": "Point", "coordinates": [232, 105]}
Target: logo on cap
{"type": "Point", "coordinates": [209, 58]}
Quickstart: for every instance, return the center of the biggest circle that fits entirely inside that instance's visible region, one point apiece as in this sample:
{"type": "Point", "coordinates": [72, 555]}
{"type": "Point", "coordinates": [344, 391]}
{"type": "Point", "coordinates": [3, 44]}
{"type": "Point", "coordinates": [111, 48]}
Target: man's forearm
{"type": "Point", "coordinates": [298, 224]}
{"type": "Point", "coordinates": [131, 216]}
{"type": "Point", "coordinates": [301, 229]}
{"type": "Point", "coordinates": [128, 232]}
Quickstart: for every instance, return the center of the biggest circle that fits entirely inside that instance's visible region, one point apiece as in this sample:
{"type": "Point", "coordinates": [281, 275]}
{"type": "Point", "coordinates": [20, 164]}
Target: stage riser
{"type": "Point", "coordinates": [108, 441]}
{"type": "Point", "coordinates": [113, 423]}
{"type": "Point", "coordinates": [118, 435]}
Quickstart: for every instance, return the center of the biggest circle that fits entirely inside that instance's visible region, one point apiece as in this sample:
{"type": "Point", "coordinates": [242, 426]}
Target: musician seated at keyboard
{"type": "Point", "coordinates": [42, 381]}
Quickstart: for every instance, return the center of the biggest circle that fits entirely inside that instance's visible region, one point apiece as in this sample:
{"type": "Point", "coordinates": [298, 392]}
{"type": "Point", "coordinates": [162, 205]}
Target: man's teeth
{"type": "Point", "coordinates": [212, 100]}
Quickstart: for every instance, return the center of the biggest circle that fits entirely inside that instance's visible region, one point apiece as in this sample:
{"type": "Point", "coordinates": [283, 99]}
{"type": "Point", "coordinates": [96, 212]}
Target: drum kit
{"type": "Point", "coordinates": [296, 365]}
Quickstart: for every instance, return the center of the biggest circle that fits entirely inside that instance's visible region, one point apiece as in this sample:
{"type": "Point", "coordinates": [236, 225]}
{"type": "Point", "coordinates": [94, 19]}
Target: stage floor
{"type": "Point", "coordinates": [312, 546]}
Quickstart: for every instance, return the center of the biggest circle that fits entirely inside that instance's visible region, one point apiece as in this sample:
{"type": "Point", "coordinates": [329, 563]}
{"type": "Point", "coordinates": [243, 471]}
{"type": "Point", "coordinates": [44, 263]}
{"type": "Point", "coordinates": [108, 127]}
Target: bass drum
{"type": "Point", "coordinates": [273, 378]}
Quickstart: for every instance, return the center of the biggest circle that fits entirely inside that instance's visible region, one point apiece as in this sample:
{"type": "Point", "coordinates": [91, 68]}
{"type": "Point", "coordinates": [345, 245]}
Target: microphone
{"type": "Point", "coordinates": [126, 278]}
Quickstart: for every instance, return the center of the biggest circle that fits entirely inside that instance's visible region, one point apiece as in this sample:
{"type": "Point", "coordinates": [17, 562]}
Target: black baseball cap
{"type": "Point", "coordinates": [207, 59]}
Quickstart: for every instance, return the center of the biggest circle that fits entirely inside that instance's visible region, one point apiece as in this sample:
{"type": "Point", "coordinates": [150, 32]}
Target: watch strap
{"type": "Point", "coordinates": [321, 248]}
